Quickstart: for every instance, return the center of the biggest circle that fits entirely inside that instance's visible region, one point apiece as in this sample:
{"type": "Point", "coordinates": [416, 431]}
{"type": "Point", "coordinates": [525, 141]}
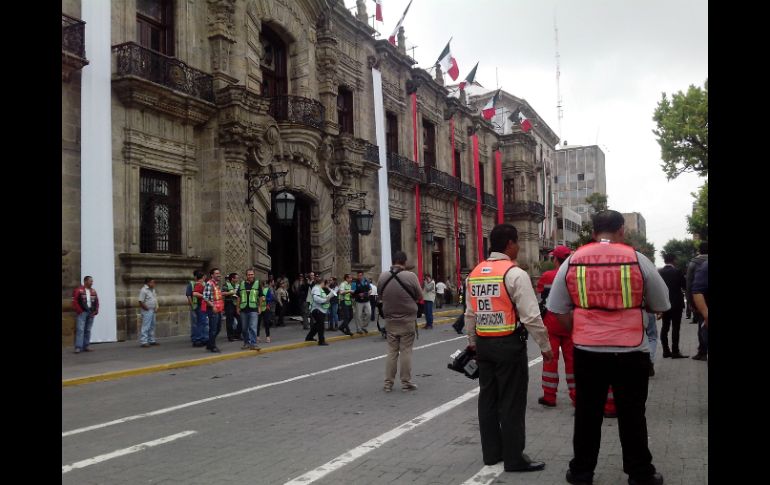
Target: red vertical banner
{"type": "Point", "coordinates": [417, 191]}
{"type": "Point", "coordinates": [477, 170]}
{"type": "Point", "coordinates": [499, 185]}
{"type": "Point", "coordinates": [455, 174]}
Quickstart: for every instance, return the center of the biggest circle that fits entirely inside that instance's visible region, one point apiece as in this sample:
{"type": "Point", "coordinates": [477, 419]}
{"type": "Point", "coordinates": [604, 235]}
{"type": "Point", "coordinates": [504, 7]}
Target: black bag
{"type": "Point", "coordinates": [420, 309]}
{"type": "Point", "coordinates": [464, 362]}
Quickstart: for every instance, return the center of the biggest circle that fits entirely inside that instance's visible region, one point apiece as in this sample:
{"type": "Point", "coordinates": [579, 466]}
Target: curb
{"type": "Point", "coordinates": [109, 376]}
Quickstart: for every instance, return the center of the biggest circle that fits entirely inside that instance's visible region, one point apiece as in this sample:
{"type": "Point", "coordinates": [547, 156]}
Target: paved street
{"type": "Point", "coordinates": [305, 413]}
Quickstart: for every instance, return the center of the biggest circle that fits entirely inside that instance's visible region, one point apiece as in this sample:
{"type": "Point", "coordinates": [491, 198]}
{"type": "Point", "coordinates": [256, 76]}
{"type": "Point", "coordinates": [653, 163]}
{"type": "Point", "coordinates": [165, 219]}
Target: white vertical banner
{"type": "Point", "coordinates": [382, 179]}
{"type": "Point", "coordinates": [97, 245]}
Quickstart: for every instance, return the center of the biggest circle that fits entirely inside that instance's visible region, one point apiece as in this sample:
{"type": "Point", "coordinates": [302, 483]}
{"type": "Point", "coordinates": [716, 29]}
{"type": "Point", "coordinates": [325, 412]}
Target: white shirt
{"type": "Point", "coordinates": [374, 290]}
{"type": "Point", "coordinates": [440, 287]}
{"type": "Point", "coordinates": [88, 297]}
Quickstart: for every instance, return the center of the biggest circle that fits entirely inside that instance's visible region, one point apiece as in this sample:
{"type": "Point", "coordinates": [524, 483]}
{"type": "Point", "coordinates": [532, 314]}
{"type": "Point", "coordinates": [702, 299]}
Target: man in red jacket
{"type": "Point", "coordinates": [558, 336]}
{"type": "Point", "coordinates": [86, 305]}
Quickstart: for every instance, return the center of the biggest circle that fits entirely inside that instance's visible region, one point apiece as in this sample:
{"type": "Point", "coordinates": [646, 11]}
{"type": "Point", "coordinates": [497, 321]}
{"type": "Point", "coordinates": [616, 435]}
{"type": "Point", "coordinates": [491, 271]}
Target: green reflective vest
{"type": "Point", "coordinates": [263, 299]}
{"type": "Point", "coordinates": [252, 299]}
{"type": "Point", "coordinates": [229, 287]}
{"type": "Point", "coordinates": [193, 297]}
{"type": "Point", "coordinates": [326, 305]}
{"type": "Point", "coordinates": [345, 286]}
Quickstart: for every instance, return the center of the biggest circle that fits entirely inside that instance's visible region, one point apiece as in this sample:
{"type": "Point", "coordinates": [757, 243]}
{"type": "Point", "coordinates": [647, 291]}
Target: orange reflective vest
{"type": "Point", "coordinates": [606, 285]}
{"type": "Point", "coordinates": [489, 298]}
{"type": "Point", "coordinates": [219, 303]}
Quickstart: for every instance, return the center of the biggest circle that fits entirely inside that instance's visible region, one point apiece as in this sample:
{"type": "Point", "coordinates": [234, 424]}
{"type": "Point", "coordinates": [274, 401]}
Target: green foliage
{"type": "Point", "coordinates": [585, 236]}
{"type": "Point", "coordinates": [698, 222]}
{"type": "Point", "coordinates": [598, 202]}
{"type": "Point", "coordinates": [683, 131]}
{"type": "Point", "coordinates": [684, 250]}
{"type": "Point", "coordinates": [640, 243]}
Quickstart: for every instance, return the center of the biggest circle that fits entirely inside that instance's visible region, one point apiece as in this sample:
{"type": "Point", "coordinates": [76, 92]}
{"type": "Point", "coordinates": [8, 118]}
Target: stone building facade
{"type": "Point", "coordinates": [209, 98]}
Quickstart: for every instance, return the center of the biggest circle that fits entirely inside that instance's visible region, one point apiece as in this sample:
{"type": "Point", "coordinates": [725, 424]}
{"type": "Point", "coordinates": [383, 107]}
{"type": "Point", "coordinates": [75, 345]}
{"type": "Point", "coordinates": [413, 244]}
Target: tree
{"type": "Point", "coordinates": [683, 131]}
{"type": "Point", "coordinates": [640, 243]}
{"type": "Point", "coordinates": [684, 250]}
{"type": "Point", "coordinates": [598, 202]}
{"type": "Point", "coordinates": [698, 222]}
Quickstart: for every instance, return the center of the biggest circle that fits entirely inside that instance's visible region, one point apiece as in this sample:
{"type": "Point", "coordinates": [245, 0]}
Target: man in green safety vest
{"type": "Point", "coordinates": [232, 321]}
{"type": "Point", "coordinates": [248, 307]}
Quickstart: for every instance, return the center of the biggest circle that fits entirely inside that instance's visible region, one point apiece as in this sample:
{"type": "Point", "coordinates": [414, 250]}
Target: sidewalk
{"type": "Point", "coordinates": [116, 360]}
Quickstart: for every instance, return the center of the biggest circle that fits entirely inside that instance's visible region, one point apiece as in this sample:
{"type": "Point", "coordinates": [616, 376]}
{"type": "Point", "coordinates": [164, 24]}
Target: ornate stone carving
{"type": "Point", "coordinates": [373, 61]}
{"type": "Point", "coordinates": [221, 18]}
{"type": "Point", "coordinates": [361, 11]}
{"type": "Point", "coordinates": [332, 170]}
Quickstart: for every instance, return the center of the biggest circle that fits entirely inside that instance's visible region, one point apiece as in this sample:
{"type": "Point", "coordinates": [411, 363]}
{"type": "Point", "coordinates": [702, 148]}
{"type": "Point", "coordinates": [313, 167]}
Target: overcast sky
{"type": "Point", "coordinates": [617, 57]}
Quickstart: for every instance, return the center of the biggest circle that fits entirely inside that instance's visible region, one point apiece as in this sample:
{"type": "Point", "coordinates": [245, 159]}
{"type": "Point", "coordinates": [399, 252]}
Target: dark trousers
{"type": "Point", "coordinates": [347, 316]}
{"type": "Point", "coordinates": [266, 321]}
{"type": "Point", "coordinates": [232, 323]}
{"type": "Point", "coordinates": [281, 311]}
{"type": "Point", "coordinates": [671, 319]}
{"type": "Point", "coordinates": [503, 379]}
{"type": "Point", "coordinates": [215, 323]}
{"type": "Point", "coordinates": [373, 307]}
{"type": "Point", "coordinates": [628, 374]}
{"type": "Point", "coordinates": [317, 326]}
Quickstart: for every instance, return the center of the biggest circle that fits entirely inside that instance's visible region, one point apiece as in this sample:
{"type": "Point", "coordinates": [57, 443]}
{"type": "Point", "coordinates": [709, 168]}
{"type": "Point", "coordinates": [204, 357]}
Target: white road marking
{"type": "Point", "coordinates": [236, 393]}
{"type": "Point", "coordinates": [489, 474]}
{"type": "Point", "coordinates": [375, 443]}
{"type": "Point", "coordinates": [124, 451]}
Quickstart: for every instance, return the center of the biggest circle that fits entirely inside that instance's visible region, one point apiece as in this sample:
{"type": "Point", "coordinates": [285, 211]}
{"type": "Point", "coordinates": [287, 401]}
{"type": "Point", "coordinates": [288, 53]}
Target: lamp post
{"type": "Point", "coordinates": [461, 240]}
{"type": "Point", "coordinates": [284, 208]}
{"type": "Point", "coordinates": [362, 218]}
{"type": "Point", "coordinates": [256, 181]}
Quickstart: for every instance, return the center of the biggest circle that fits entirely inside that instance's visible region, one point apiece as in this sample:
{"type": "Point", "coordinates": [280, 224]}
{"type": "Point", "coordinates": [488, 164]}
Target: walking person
{"type": "Point", "coordinates": [672, 319]}
{"type": "Point", "coordinates": [215, 307]}
{"type": "Point", "coordinates": [440, 291]}
{"type": "Point", "coordinates": [319, 307]}
{"type": "Point", "coordinates": [372, 300]}
{"type": "Point", "coordinates": [85, 302]}
{"type": "Point", "coordinates": [399, 293]}
{"type": "Point", "coordinates": [697, 318]}
{"type": "Point", "coordinates": [148, 301]}
{"type": "Point", "coordinates": [700, 295]}
{"type": "Point", "coordinates": [501, 304]}
{"type": "Point", "coordinates": [334, 304]}
{"type": "Point", "coordinates": [266, 305]}
{"type": "Point", "coordinates": [612, 288]}
{"type": "Point", "coordinates": [346, 303]}
{"type": "Point", "coordinates": [310, 282]}
{"type": "Point", "coordinates": [429, 293]}
{"type": "Point", "coordinates": [201, 334]}
{"type": "Point", "coordinates": [248, 306]}
{"type": "Point", "coordinates": [193, 302]}
{"type": "Point", "coordinates": [282, 301]}
{"type": "Point", "coordinates": [232, 322]}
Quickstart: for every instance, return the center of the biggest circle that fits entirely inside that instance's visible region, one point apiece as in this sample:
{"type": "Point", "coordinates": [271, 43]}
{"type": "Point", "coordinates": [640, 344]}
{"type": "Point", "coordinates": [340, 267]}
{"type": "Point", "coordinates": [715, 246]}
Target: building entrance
{"type": "Point", "coordinates": [289, 247]}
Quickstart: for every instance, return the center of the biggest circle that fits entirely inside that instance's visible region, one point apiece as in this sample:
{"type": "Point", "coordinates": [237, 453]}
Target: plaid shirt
{"type": "Point", "coordinates": [208, 290]}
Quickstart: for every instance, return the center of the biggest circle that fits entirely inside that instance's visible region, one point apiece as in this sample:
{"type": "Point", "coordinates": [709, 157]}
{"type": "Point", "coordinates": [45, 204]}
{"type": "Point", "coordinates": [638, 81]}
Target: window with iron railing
{"type": "Point", "coordinates": [159, 212]}
{"type": "Point", "coordinates": [345, 110]}
{"type": "Point", "coordinates": [155, 25]}
{"type": "Point", "coordinates": [391, 132]}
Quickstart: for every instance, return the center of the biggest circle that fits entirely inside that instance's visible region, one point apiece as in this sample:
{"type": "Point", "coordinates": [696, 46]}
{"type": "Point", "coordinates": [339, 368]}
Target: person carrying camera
{"type": "Point", "coordinates": [501, 303]}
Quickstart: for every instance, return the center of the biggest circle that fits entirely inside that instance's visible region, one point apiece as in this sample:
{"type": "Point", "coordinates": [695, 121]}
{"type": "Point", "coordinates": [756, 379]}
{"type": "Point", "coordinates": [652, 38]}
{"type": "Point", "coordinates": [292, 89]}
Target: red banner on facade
{"type": "Point", "coordinates": [456, 229]}
{"type": "Point", "coordinates": [499, 185]}
{"type": "Point", "coordinates": [476, 169]}
{"type": "Point", "coordinates": [418, 224]}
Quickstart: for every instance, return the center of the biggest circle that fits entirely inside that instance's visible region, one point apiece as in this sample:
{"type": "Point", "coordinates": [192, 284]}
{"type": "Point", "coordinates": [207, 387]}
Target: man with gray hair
{"type": "Point", "coordinates": [399, 292]}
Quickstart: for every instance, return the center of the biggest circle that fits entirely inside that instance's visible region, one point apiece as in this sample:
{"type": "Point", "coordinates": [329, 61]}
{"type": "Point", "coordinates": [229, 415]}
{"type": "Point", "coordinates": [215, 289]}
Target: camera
{"type": "Point", "coordinates": [464, 362]}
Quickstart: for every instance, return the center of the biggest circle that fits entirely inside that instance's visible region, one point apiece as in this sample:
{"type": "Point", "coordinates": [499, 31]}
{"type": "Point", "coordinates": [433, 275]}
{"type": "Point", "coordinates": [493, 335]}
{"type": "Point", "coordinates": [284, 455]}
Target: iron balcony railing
{"type": "Point", "coordinates": [371, 152]}
{"type": "Point", "coordinates": [405, 167]}
{"type": "Point", "coordinates": [525, 208]}
{"type": "Point", "coordinates": [297, 109]}
{"type": "Point", "coordinates": [467, 191]}
{"type": "Point", "coordinates": [436, 177]}
{"type": "Point", "coordinates": [135, 60]}
{"type": "Point", "coordinates": [73, 35]}
{"type": "Point", "coordinates": [489, 200]}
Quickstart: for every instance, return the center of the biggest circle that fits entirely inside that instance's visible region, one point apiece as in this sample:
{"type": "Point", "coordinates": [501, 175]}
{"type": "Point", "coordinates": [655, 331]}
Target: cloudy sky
{"type": "Point", "coordinates": [617, 57]}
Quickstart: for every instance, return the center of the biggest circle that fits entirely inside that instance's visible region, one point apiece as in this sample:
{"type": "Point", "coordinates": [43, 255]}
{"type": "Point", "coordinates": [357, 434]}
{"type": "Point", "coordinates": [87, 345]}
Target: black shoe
{"type": "Point", "coordinates": [656, 479]}
{"type": "Point", "coordinates": [576, 481]}
{"type": "Point", "coordinates": [532, 466]}
{"type": "Point", "coordinates": [666, 353]}
{"type": "Point", "coordinates": [215, 350]}
{"type": "Point", "coordinates": [543, 401]}
{"type": "Point", "coordinates": [492, 462]}
{"type": "Point", "coordinates": [322, 343]}
{"type": "Point", "coordinates": [700, 357]}
{"type": "Point", "coordinates": [677, 355]}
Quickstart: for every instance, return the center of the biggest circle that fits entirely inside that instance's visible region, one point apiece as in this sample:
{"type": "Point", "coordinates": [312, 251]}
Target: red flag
{"type": "Point", "coordinates": [378, 11]}
{"type": "Point", "coordinates": [524, 122]}
{"type": "Point", "coordinates": [448, 62]}
{"type": "Point", "coordinates": [392, 38]}
{"type": "Point", "coordinates": [488, 111]}
{"type": "Point", "coordinates": [469, 78]}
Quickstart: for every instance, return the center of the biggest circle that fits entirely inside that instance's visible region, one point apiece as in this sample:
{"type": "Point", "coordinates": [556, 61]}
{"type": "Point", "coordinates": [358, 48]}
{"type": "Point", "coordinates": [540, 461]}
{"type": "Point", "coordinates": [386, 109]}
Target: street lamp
{"type": "Point", "coordinates": [256, 181]}
{"type": "Point", "coordinates": [284, 208]}
{"type": "Point", "coordinates": [461, 240]}
{"type": "Point", "coordinates": [364, 219]}
{"type": "Point", "coordinates": [429, 236]}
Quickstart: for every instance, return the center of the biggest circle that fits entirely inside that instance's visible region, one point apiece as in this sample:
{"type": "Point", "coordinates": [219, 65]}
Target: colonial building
{"type": "Point", "coordinates": [242, 133]}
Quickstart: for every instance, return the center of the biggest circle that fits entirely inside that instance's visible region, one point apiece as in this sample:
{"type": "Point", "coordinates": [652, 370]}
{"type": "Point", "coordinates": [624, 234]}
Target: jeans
{"type": "Point", "coordinates": [83, 326]}
{"type": "Point", "coordinates": [148, 327]}
{"type": "Point", "coordinates": [428, 314]}
{"type": "Point", "coordinates": [652, 335]}
{"type": "Point", "coordinates": [347, 316]}
{"type": "Point", "coordinates": [201, 332]}
{"type": "Point", "coordinates": [334, 318]}
{"type": "Point", "coordinates": [193, 324]}
{"type": "Point", "coordinates": [249, 322]}
{"type": "Point", "coordinates": [215, 324]}
{"type": "Point", "coordinates": [265, 320]}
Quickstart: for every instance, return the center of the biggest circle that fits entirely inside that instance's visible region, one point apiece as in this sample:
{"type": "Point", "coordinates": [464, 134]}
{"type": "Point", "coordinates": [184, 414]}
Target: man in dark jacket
{"type": "Point", "coordinates": [695, 263]}
{"type": "Point", "coordinates": [672, 318]}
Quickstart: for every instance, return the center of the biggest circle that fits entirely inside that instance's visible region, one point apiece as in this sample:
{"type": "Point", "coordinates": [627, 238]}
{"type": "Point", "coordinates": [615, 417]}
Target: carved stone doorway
{"type": "Point", "coordinates": [289, 248]}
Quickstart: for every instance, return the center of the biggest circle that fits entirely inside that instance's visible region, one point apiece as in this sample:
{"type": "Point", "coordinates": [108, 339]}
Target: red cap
{"type": "Point", "coordinates": [561, 252]}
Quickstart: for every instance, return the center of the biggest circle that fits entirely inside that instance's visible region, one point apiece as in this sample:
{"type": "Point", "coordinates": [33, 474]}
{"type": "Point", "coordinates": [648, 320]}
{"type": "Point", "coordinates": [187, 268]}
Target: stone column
{"type": "Point", "coordinates": [221, 40]}
{"type": "Point", "coordinates": [235, 214]}
{"type": "Point", "coordinates": [327, 60]}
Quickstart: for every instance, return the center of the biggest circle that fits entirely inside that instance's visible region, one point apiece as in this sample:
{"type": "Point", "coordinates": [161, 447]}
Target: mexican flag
{"type": "Point", "coordinates": [469, 78]}
{"type": "Point", "coordinates": [448, 63]}
{"type": "Point", "coordinates": [378, 11]}
{"type": "Point", "coordinates": [524, 122]}
{"type": "Point", "coordinates": [392, 38]}
{"type": "Point", "coordinates": [488, 111]}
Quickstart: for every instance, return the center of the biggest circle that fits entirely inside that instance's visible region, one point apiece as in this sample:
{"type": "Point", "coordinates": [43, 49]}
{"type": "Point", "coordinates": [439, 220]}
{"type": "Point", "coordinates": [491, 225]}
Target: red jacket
{"type": "Point", "coordinates": [79, 302]}
{"type": "Point", "coordinates": [549, 320]}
